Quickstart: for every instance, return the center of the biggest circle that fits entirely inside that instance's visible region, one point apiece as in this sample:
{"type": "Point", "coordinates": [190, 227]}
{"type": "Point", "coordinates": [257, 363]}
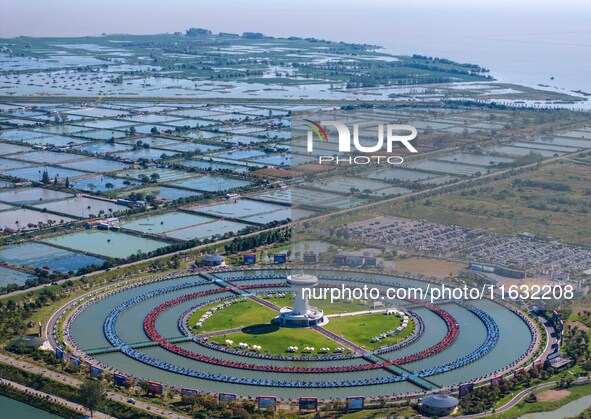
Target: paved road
{"type": "Point", "coordinates": [520, 396]}
{"type": "Point", "coordinates": [201, 246]}
{"type": "Point", "coordinates": [57, 314]}
{"type": "Point", "coordinates": [62, 378]}
{"type": "Point", "coordinates": [355, 313]}
{"type": "Point", "coordinates": [339, 339]}
{"type": "Point", "coordinates": [549, 341]}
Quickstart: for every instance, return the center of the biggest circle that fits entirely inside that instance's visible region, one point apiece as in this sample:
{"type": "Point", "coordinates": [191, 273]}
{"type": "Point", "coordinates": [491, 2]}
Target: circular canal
{"type": "Point", "coordinates": [213, 332]}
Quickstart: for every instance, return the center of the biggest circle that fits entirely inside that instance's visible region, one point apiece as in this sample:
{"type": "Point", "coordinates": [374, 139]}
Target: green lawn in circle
{"type": "Point", "coordinates": [255, 321]}
{"type": "Point", "coordinates": [240, 314]}
{"type": "Point", "coordinates": [362, 328]}
{"type": "Point", "coordinates": [275, 340]}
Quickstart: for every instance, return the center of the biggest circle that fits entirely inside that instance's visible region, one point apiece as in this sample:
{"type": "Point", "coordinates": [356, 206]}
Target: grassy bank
{"type": "Point", "coordinates": [523, 408]}
{"type": "Point", "coordinates": [68, 392]}
{"type": "Point", "coordinates": [38, 402]}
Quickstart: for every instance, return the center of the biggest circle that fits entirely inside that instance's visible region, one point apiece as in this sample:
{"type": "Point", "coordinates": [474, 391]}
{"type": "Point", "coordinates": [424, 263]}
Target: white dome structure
{"type": "Point", "coordinates": [439, 405]}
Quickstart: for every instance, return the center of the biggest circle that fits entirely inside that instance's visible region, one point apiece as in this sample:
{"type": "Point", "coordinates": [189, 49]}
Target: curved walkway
{"type": "Point", "coordinates": [520, 396]}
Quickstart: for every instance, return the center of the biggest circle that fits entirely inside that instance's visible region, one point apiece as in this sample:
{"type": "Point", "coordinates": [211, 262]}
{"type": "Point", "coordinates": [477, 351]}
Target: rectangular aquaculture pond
{"type": "Point", "coordinates": [39, 255]}
{"type": "Point", "coordinates": [212, 184]}
{"type": "Point", "coordinates": [106, 243]}
{"type": "Point", "coordinates": [162, 223]}
{"type": "Point", "coordinates": [12, 276]}
{"type": "Point", "coordinates": [82, 207]}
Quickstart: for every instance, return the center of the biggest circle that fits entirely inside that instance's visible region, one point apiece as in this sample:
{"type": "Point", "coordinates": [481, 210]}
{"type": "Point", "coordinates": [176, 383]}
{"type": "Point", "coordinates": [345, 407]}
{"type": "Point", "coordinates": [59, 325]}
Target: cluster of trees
{"type": "Point", "coordinates": [46, 357]}
{"type": "Point", "coordinates": [46, 180]}
{"type": "Point", "coordinates": [91, 394]}
{"type": "Point", "coordinates": [340, 233]}
{"type": "Point", "coordinates": [576, 345]}
{"type": "Point", "coordinates": [361, 75]}
{"type": "Point", "coordinates": [484, 398]}
{"type": "Point", "coordinates": [531, 158]}
{"type": "Point", "coordinates": [531, 183]}
{"type": "Point", "coordinates": [450, 70]}
{"type": "Point", "coordinates": [140, 196]}
{"type": "Point", "coordinates": [268, 237]}
{"type": "Point", "coordinates": [253, 35]}
{"type": "Point", "coordinates": [236, 74]}
{"type": "Point", "coordinates": [197, 32]}
{"type": "Point", "coordinates": [116, 80]}
{"type": "Point", "coordinates": [585, 317]}
{"type": "Point", "coordinates": [130, 132]}
{"type": "Point", "coordinates": [445, 61]}
{"type": "Point", "coordinates": [140, 144]}
{"type": "Point", "coordinates": [12, 319]}
{"type": "Point", "coordinates": [153, 178]}
{"type": "Point", "coordinates": [13, 316]}
{"type": "Point", "coordinates": [205, 406]}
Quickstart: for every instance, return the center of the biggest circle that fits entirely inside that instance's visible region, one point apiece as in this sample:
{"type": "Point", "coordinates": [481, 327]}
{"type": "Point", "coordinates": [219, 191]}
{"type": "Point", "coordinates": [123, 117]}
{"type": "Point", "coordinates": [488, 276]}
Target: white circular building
{"type": "Point", "coordinates": [301, 314]}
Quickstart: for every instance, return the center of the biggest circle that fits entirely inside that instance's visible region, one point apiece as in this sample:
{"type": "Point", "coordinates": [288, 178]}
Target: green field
{"type": "Point", "coordinates": [552, 201]}
{"type": "Point", "coordinates": [241, 314]}
{"type": "Point", "coordinates": [256, 321]}
{"type": "Point", "coordinates": [275, 340]}
{"type": "Point", "coordinates": [361, 329]}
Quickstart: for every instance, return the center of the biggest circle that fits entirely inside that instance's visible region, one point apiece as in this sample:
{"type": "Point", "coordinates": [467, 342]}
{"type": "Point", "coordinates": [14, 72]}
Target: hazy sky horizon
{"type": "Point", "coordinates": [514, 38]}
{"type": "Point", "coordinates": [68, 18]}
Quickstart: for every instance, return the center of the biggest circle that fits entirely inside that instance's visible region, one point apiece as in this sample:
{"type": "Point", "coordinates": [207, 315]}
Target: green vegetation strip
{"type": "Point", "coordinates": [363, 328]}
{"type": "Point", "coordinates": [524, 408]}
{"type": "Point", "coordinates": [38, 402]}
{"type": "Point", "coordinates": [534, 202]}
{"type": "Point", "coordinates": [70, 393]}
{"type": "Point", "coordinates": [239, 314]}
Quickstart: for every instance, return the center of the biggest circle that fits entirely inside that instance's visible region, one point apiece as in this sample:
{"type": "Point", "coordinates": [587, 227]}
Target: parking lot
{"type": "Point", "coordinates": [539, 257]}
